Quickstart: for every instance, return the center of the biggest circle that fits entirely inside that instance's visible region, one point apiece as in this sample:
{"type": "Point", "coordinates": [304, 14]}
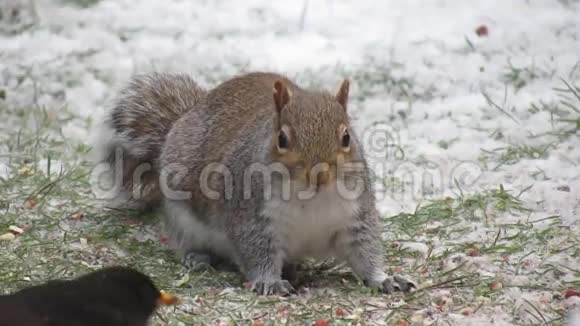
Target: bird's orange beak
{"type": "Point", "coordinates": [166, 299]}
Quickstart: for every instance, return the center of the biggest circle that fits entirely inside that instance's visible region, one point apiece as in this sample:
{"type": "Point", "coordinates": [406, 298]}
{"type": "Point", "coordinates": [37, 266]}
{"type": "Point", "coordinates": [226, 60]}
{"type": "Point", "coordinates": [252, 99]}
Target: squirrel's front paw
{"type": "Point", "coordinates": [397, 283]}
{"type": "Point", "coordinates": [269, 286]}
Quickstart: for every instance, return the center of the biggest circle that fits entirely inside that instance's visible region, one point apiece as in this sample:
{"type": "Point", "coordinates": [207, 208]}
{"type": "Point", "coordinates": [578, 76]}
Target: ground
{"type": "Point", "coordinates": [469, 111]}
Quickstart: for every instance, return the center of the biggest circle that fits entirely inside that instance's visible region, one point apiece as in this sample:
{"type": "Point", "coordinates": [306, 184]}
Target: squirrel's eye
{"type": "Point", "coordinates": [345, 139]}
{"type": "Point", "coordinates": [282, 140]}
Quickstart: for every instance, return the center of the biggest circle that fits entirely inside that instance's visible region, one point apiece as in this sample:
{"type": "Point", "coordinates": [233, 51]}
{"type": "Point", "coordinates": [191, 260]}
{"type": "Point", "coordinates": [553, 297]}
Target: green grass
{"type": "Point", "coordinates": [510, 155]}
{"type": "Point", "coordinates": [519, 77]}
{"type": "Point", "coordinates": [81, 3]}
{"type": "Point", "coordinates": [564, 121]}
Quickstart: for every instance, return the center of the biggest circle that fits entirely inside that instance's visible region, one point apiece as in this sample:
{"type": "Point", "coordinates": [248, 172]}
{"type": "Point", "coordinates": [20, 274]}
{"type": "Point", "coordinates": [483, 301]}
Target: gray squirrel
{"type": "Point", "coordinates": [257, 171]}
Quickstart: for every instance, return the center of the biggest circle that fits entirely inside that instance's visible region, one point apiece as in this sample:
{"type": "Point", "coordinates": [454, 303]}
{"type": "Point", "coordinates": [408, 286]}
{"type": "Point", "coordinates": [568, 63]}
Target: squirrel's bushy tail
{"type": "Point", "coordinates": [133, 135]}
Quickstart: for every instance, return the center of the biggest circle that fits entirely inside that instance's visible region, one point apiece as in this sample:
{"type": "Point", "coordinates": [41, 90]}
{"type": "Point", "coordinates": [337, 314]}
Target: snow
{"type": "Point", "coordinates": [82, 56]}
{"type": "Point", "coordinates": [574, 319]}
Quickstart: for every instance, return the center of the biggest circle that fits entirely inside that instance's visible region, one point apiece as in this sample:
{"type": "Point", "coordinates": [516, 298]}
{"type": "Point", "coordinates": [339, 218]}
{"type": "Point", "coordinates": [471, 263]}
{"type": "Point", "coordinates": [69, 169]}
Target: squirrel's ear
{"type": "Point", "coordinates": [342, 95]}
{"type": "Point", "coordinates": [281, 95]}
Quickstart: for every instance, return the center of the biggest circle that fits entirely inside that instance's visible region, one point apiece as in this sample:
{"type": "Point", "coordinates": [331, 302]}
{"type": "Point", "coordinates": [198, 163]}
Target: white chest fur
{"type": "Point", "coordinates": [309, 225]}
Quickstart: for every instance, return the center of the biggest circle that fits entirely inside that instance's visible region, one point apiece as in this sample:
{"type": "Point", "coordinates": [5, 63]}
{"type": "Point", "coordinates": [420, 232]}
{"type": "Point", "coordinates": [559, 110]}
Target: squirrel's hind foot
{"type": "Point", "coordinates": [196, 261]}
{"type": "Point", "coordinates": [397, 283]}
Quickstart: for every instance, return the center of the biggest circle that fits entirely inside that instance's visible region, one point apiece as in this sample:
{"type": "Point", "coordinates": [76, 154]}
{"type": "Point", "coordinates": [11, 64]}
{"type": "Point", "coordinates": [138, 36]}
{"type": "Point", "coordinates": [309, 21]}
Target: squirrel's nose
{"type": "Point", "coordinates": [318, 178]}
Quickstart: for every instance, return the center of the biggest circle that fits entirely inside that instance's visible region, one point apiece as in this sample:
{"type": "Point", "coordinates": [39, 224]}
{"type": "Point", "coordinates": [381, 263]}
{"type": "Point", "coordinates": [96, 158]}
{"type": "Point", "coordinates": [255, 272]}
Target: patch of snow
{"type": "Point", "coordinates": [573, 318]}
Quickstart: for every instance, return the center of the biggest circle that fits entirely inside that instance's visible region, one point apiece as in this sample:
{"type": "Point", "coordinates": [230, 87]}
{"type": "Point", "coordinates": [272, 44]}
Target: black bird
{"type": "Point", "coordinates": [112, 296]}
